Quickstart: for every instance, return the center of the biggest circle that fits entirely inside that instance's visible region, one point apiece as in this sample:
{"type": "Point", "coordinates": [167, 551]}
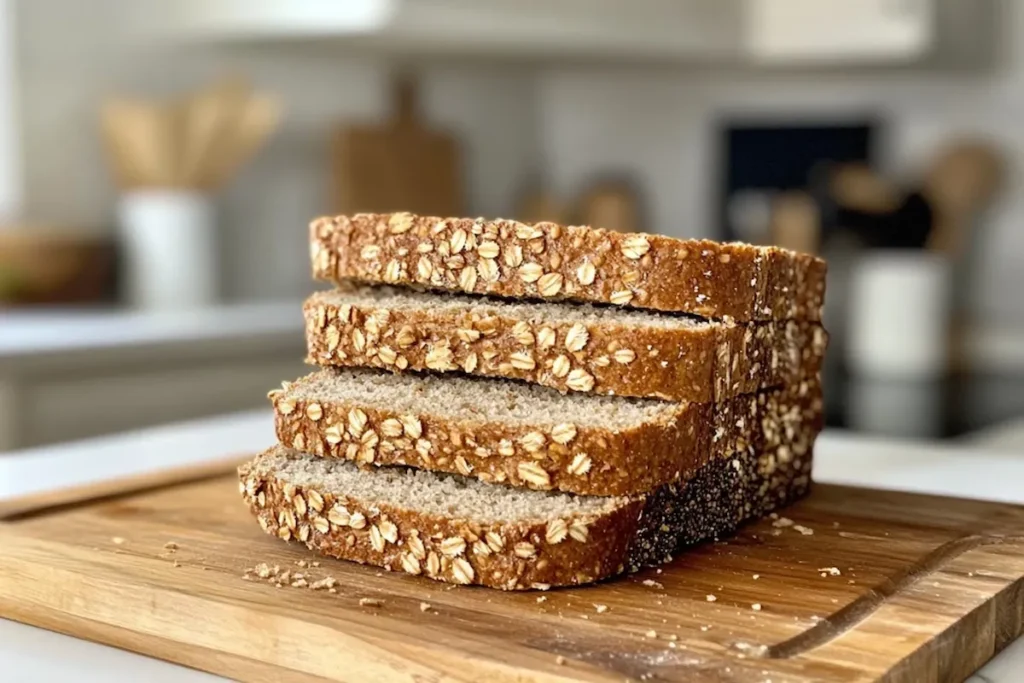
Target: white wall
{"type": "Point", "coordinates": [10, 154]}
{"type": "Point", "coordinates": [659, 125]}
{"type": "Point", "coordinates": [73, 53]}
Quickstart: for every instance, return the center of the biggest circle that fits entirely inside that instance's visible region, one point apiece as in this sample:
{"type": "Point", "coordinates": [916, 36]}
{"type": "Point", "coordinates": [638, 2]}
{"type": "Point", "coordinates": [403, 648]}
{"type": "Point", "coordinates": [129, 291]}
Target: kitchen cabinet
{"type": "Point", "coordinates": [745, 32]}
{"type": "Point", "coordinates": [812, 31]}
{"type": "Point", "coordinates": [67, 376]}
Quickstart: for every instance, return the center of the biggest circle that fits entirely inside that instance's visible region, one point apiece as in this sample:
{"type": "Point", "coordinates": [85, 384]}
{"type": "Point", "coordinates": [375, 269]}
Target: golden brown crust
{"type": "Point", "coordinates": [749, 482]}
{"type": "Point", "coordinates": [548, 261]}
{"type": "Point", "coordinates": [708, 362]}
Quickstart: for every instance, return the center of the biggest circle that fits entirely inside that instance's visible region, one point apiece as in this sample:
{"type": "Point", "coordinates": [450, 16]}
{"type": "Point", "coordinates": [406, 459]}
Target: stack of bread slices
{"type": "Point", "coordinates": [526, 406]}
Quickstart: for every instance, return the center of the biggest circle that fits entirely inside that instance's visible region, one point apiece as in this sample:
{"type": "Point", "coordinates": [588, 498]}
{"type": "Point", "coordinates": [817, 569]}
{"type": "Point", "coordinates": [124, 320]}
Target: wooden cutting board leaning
{"type": "Point", "coordinates": [847, 585]}
{"type": "Point", "coordinates": [400, 165]}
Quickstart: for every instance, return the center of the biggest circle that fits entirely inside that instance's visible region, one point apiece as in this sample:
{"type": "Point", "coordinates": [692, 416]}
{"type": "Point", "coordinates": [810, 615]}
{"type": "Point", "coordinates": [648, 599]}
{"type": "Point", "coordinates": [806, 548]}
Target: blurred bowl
{"type": "Point", "coordinates": [43, 267]}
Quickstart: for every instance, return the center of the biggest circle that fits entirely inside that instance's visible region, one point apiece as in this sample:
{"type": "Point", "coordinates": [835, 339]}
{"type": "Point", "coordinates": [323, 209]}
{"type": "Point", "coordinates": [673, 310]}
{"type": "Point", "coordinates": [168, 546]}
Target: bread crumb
{"type": "Point", "coordinates": [673, 637]}
{"type": "Point", "coordinates": [263, 570]}
{"type": "Point", "coordinates": [299, 583]}
{"type": "Point", "coordinates": [542, 598]}
{"type": "Point", "coordinates": [117, 540]}
{"type": "Point", "coordinates": [652, 583]}
{"type": "Point", "coordinates": [560, 660]}
{"type": "Point", "coordinates": [171, 545]}
{"type": "Point", "coordinates": [756, 577]}
{"type": "Point", "coordinates": [326, 582]}
{"type": "Point", "coordinates": [424, 606]}
{"type": "Point", "coordinates": [782, 522]}
{"type": "Point", "coordinates": [370, 602]}
{"type": "Point", "coordinates": [756, 607]}
{"type": "Point", "coordinates": [585, 616]}
{"type": "Point", "coordinates": [704, 628]}
{"type": "Point", "coordinates": [315, 563]}
{"type": "Point", "coordinates": [332, 590]}
{"type": "Point", "coordinates": [710, 598]}
{"type": "Point", "coordinates": [830, 571]}
{"type": "Point", "coordinates": [651, 634]}
{"type": "Point", "coordinates": [601, 609]}
{"type": "Point", "coordinates": [672, 645]}
{"type": "Point", "coordinates": [803, 530]}
{"type": "Point", "coordinates": [177, 564]}
{"type": "Point", "coordinates": [301, 563]}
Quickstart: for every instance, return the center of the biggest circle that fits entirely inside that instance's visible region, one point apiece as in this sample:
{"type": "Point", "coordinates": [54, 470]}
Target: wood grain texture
{"type": "Point", "coordinates": [927, 589]}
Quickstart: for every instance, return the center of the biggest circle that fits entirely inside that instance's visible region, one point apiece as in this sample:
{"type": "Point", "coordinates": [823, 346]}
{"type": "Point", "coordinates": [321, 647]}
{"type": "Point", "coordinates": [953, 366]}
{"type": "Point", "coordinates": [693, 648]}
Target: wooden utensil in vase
{"type": "Point", "coordinates": [194, 144]}
{"type": "Point", "coordinates": [796, 222]}
{"type": "Point", "coordinates": [141, 141]}
{"type": "Point", "coordinates": [961, 180]}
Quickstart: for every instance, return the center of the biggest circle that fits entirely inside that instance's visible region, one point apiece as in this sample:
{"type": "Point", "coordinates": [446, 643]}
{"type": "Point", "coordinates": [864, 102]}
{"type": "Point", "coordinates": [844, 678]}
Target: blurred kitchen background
{"type": "Point", "coordinates": [160, 161]}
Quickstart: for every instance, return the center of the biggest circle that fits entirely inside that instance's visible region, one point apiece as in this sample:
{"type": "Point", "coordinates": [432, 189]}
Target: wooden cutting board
{"type": "Point", "coordinates": [400, 165]}
{"type": "Point", "coordinates": [851, 585]}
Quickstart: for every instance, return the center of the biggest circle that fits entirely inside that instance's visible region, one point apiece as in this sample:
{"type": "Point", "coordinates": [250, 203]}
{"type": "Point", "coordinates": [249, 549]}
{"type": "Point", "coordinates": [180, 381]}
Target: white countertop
{"type": "Point", "coordinates": [44, 330]}
{"type": "Point", "coordinates": [839, 458]}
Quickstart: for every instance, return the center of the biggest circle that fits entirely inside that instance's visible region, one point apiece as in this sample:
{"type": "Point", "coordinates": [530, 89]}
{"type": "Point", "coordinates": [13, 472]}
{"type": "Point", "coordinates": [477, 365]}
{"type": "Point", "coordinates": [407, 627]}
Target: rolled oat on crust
{"type": "Point", "coordinates": [546, 261]}
{"type": "Point", "coordinates": [569, 347]}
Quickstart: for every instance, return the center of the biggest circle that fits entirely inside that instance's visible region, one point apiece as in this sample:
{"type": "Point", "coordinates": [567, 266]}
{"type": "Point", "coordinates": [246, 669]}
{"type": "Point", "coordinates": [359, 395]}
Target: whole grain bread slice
{"type": "Point", "coordinates": [501, 431]}
{"type": "Point", "coordinates": [461, 530]}
{"type": "Point", "coordinates": [571, 347]}
{"type": "Point", "coordinates": [547, 261]}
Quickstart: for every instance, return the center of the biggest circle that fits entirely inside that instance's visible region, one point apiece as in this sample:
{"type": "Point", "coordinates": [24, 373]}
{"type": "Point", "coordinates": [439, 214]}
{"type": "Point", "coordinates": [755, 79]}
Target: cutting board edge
{"type": "Point", "coordinates": [34, 504]}
{"type": "Point", "coordinates": [22, 600]}
{"type": "Point", "coordinates": [165, 649]}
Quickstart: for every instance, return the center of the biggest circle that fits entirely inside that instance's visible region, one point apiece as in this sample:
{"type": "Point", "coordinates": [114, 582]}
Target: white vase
{"type": "Point", "coordinates": [169, 249]}
{"type": "Point", "coordinates": [899, 315]}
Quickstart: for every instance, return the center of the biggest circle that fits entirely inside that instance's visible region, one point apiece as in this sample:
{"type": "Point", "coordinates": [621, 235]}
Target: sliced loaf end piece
{"type": "Point", "coordinates": [546, 261]}
{"type": "Point", "coordinates": [442, 526]}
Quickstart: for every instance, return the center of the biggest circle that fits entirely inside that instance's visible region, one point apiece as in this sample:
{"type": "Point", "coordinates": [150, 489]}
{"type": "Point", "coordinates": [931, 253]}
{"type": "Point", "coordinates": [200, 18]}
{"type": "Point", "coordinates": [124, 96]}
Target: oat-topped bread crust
{"type": "Point", "coordinates": [548, 261]}
{"type": "Point", "coordinates": [464, 531]}
{"type": "Point", "coordinates": [507, 432]}
{"type": "Point", "coordinates": [571, 347]}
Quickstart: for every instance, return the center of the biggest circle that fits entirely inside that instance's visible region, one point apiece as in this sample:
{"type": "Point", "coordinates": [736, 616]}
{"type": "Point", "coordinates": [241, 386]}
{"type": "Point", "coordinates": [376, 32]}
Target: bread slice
{"type": "Point", "coordinates": [461, 530]}
{"type": "Point", "coordinates": [500, 431]}
{"type": "Point", "coordinates": [547, 261]}
{"type": "Point", "coordinates": [571, 347]}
